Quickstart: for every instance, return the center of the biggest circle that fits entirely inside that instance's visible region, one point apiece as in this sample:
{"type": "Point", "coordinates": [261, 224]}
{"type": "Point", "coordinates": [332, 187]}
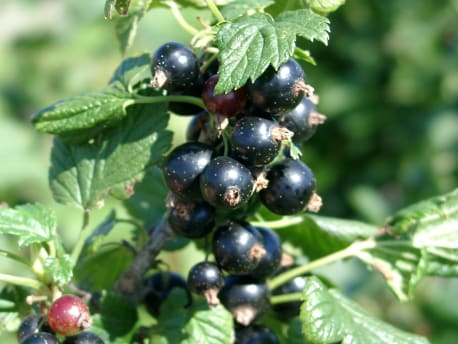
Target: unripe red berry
{"type": "Point", "coordinates": [69, 315]}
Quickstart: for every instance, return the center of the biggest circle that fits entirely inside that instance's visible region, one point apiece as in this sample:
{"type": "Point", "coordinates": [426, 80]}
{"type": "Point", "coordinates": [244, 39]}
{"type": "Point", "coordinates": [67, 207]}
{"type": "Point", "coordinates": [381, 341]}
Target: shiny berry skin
{"type": "Point", "coordinates": [277, 91]}
{"type": "Point", "coordinates": [246, 298]}
{"type": "Point", "coordinates": [256, 140]}
{"type": "Point", "coordinates": [224, 104]}
{"type": "Point", "coordinates": [255, 334]}
{"type": "Point", "coordinates": [191, 220]}
{"type": "Point", "coordinates": [29, 325]}
{"type": "Point", "coordinates": [174, 67]}
{"type": "Point", "coordinates": [84, 338]}
{"type": "Point", "coordinates": [69, 315]}
{"type": "Point", "coordinates": [294, 285]}
{"type": "Point", "coordinates": [187, 109]}
{"type": "Point", "coordinates": [159, 286]}
{"type": "Point", "coordinates": [40, 338]}
{"type": "Point", "coordinates": [200, 129]}
{"type": "Point", "coordinates": [183, 167]}
{"type": "Point", "coordinates": [302, 120]}
{"type": "Point", "coordinates": [206, 279]}
{"type": "Point", "coordinates": [226, 184]}
{"type": "Point", "coordinates": [291, 186]}
{"type": "Point", "coordinates": [270, 262]}
{"type": "Point", "coordinates": [237, 247]}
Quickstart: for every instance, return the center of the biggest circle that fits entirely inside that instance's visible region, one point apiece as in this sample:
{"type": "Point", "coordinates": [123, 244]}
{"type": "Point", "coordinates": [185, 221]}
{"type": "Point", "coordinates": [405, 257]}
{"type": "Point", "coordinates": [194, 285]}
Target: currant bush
{"type": "Point", "coordinates": [229, 205]}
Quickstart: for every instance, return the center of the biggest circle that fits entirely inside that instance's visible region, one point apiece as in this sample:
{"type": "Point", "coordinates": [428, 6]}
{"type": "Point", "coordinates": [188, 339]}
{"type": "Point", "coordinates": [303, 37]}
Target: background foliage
{"type": "Point", "coordinates": [388, 82]}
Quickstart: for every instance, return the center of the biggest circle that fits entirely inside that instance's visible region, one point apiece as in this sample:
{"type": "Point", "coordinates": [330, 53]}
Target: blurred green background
{"type": "Point", "coordinates": [388, 82]}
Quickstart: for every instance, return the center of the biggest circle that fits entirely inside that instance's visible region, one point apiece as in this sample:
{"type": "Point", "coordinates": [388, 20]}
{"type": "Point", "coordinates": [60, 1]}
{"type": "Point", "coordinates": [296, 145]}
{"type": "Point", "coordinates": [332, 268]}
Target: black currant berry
{"type": "Point", "coordinates": [256, 140]}
{"type": "Point", "coordinates": [255, 334]}
{"type": "Point", "coordinates": [190, 219]}
{"type": "Point", "coordinates": [225, 183]}
{"type": "Point", "coordinates": [84, 338]}
{"type": "Point", "coordinates": [158, 288]}
{"type": "Point", "coordinates": [303, 120]}
{"type": "Point", "coordinates": [290, 189]}
{"type": "Point", "coordinates": [40, 338]}
{"type": "Point", "coordinates": [30, 324]}
{"type": "Point", "coordinates": [246, 298]}
{"type": "Point", "coordinates": [294, 285]}
{"type": "Point", "coordinates": [183, 167]}
{"type": "Point", "coordinates": [223, 104]}
{"type": "Point", "coordinates": [237, 247]}
{"type": "Point", "coordinates": [206, 279]}
{"type": "Point", "coordinates": [200, 129]}
{"type": "Point", "coordinates": [270, 262]}
{"type": "Point", "coordinates": [174, 67]}
{"type": "Point", "coordinates": [187, 109]}
{"type": "Point", "coordinates": [277, 91]}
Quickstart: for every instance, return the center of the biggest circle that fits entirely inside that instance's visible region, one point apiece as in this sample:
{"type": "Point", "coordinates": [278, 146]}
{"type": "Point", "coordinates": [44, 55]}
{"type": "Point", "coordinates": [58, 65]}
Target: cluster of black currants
{"type": "Point", "coordinates": [239, 156]}
{"type": "Point", "coordinates": [68, 317]}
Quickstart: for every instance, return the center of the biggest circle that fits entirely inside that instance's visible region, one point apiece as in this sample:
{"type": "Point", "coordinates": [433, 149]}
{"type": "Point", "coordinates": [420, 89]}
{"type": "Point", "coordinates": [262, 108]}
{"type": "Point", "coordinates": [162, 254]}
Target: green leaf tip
{"type": "Point", "coordinates": [328, 317]}
{"type": "Point", "coordinates": [249, 45]}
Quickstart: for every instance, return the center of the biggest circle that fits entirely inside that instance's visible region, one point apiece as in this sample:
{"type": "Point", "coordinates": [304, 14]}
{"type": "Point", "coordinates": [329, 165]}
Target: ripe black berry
{"type": "Point", "coordinates": [40, 338]}
{"type": "Point", "coordinates": [183, 168]}
{"type": "Point", "coordinates": [228, 104]}
{"type": "Point", "coordinates": [30, 324]}
{"type": "Point", "coordinates": [84, 338]}
{"type": "Point", "coordinates": [174, 67]}
{"type": "Point", "coordinates": [246, 298]}
{"type": "Point", "coordinates": [294, 285]}
{"type": "Point", "coordinates": [277, 91]}
{"type": "Point", "coordinates": [255, 334]}
{"type": "Point", "coordinates": [303, 120]}
{"type": "Point", "coordinates": [200, 129]}
{"type": "Point", "coordinates": [206, 279]}
{"type": "Point", "coordinates": [237, 247]}
{"type": "Point", "coordinates": [270, 262]}
{"type": "Point", "coordinates": [158, 288]}
{"type": "Point", "coordinates": [256, 140]}
{"type": "Point", "coordinates": [190, 219]}
{"type": "Point", "coordinates": [291, 187]}
{"type": "Point", "coordinates": [226, 183]}
{"type": "Point", "coordinates": [69, 315]}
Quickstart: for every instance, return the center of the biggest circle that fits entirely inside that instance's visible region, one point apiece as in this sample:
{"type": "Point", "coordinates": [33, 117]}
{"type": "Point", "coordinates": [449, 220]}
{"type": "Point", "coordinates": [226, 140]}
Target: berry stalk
{"type": "Point", "coordinates": [349, 251]}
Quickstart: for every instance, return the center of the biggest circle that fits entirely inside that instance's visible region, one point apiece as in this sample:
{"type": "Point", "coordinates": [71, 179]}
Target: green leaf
{"type": "Point", "coordinates": [131, 70]}
{"type": "Point", "coordinates": [330, 317]}
{"type": "Point", "coordinates": [82, 117]}
{"type": "Point", "coordinates": [92, 272]}
{"type": "Point", "coordinates": [93, 241]}
{"type": "Point", "coordinates": [294, 333]}
{"type": "Point", "coordinates": [209, 326]}
{"type": "Point", "coordinates": [82, 175]}
{"type": "Point", "coordinates": [32, 223]}
{"type": "Point", "coordinates": [126, 26]}
{"type": "Point", "coordinates": [118, 315]}
{"type": "Point", "coordinates": [318, 236]}
{"type": "Point", "coordinates": [325, 6]}
{"type": "Point", "coordinates": [195, 324]}
{"type": "Point", "coordinates": [238, 8]}
{"type": "Point", "coordinates": [249, 44]}
{"type": "Point", "coordinates": [60, 267]}
{"type": "Point", "coordinates": [418, 241]}
{"type": "Point", "coordinates": [148, 200]}
{"type": "Point", "coordinates": [430, 221]}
